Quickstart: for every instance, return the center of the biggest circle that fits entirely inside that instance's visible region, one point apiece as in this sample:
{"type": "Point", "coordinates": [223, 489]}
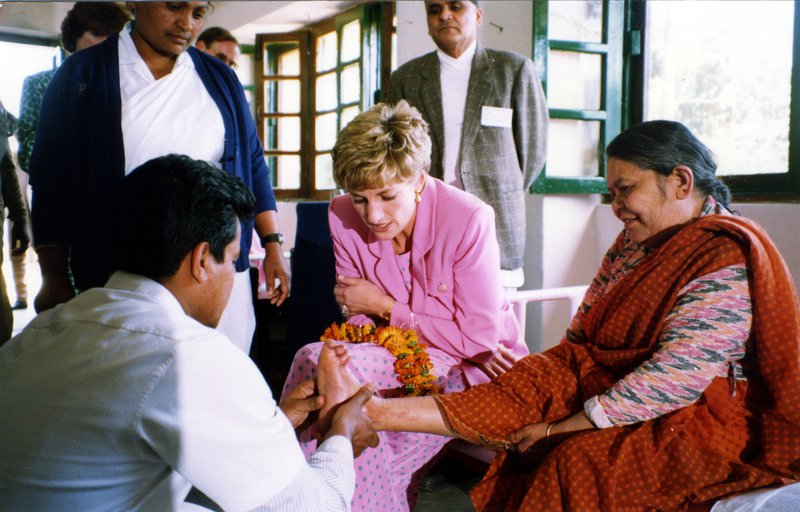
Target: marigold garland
{"type": "Point", "coordinates": [413, 367]}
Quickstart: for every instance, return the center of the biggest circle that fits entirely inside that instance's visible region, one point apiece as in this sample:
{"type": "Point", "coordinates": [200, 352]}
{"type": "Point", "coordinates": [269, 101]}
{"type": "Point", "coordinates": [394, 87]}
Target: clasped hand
{"type": "Point", "coordinates": [500, 363]}
{"type": "Point", "coordinates": [349, 419]}
{"type": "Point", "coordinates": [359, 295]}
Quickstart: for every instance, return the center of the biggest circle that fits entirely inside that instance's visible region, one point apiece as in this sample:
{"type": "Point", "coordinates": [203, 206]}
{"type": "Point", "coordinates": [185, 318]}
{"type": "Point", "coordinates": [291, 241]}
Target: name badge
{"type": "Point", "coordinates": [496, 116]}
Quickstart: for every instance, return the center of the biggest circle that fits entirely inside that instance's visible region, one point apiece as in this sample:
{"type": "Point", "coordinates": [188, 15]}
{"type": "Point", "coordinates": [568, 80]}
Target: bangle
{"type": "Point", "coordinates": [387, 315]}
{"type": "Point", "coordinates": [547, 433]}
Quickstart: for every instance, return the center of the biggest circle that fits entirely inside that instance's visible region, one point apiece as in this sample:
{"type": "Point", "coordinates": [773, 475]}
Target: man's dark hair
{"type": "Point", "coordinates": [213, 34]}
{"type": "Point", "coordinates": [166, 207]}
{"type": "Point", "coordinates": [100, 18]}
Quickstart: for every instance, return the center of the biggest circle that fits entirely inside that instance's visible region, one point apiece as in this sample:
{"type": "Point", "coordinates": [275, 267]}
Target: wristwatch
{"type": "Point", "coordinates": [272, 237]}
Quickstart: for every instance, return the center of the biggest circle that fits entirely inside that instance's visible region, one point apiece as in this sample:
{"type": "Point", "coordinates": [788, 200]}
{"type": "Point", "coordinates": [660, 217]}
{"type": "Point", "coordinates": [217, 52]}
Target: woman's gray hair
{"type": "Point", "coordinates": [661, 146]}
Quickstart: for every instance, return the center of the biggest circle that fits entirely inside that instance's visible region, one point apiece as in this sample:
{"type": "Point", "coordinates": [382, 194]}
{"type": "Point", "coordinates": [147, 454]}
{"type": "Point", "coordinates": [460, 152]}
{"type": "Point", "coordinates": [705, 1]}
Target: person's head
{"type": "Point", "coordinates": [453, 25]}
{"type": "Point", "coordinates": [659, 174]}
{"type": "Point", "coordinates": [219, 43]}
{"type": "Point", "coordinates": [167, 28]}
{"type": "Point", "coordinates": [176, 220]}
{"type": "Point", "coordinates": [381, 158]}
{"type": "Point", "coordinates": [90, 23]}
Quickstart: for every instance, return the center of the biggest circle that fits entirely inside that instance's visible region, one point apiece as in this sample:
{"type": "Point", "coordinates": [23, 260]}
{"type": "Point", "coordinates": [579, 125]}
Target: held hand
{"type": "Point", "coordinates": [502, 361]}
{"type": "Point", "coordinates": [275, 267]}
{"type": "Point", "coordinates": [360, 296]}
{"type": "Point", "coordinates": [19, 238]}
{"type": "Point", "coordinates": [351, 421]}
{"type": "Point", "coordinates": [52, 294]}
{"type": "Point", "coordinates": [300, 401]}
{"type": "Point", "coordinates": [529, 435]}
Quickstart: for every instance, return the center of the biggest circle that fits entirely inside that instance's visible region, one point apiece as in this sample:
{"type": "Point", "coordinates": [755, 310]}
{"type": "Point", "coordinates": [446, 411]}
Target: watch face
{"type": "Point", "coordinates": [280, 238]}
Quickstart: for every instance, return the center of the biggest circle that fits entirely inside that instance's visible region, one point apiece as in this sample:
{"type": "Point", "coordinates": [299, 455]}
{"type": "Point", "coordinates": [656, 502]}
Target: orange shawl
{"type": "Point", "coordinates": [724, 443]}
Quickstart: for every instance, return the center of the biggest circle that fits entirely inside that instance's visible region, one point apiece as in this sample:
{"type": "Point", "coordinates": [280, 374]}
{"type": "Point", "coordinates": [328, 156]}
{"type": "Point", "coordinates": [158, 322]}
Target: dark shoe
{"type": "Point", "coordinates": [435, 480]}
{"type": "Point", "coordinates": [20, 304]}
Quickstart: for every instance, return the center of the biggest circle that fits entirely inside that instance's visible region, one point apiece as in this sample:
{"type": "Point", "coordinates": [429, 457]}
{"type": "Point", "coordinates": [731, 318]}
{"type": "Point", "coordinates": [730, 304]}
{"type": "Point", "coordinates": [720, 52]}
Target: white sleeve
{"type": "Point", "coordinates": [211, 417]}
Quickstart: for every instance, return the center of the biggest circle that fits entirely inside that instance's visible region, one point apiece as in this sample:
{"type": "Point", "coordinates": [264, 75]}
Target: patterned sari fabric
{"type": "Point", "coordinates": [736, 436]}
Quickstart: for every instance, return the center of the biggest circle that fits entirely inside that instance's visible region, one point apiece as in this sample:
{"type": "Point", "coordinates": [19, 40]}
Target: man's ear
{"type": "Point", "coordinates": [479, 16]}
{"type": "Point", "coordinates": [684, 180]}
{"type": "Point", "coordinates": [198, 260]}
{"type": "Point", "coordinates": [201, 45]}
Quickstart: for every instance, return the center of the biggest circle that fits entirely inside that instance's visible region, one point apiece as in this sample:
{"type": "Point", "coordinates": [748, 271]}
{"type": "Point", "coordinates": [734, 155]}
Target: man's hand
{"type": "Point", "coordinates": [20, 239]}
{"type": "Point", "coordinates": [301, 401]}
{"type": "Point", "coordinates": [500, 363]}
{"type": "Point", "coordinates": [275, 267]}
{"type": "Point", "coordinates": [351, 421]}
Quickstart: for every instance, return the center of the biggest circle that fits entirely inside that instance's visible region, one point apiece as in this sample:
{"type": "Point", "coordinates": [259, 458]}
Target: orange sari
{"type": "Point", "coordinates": [737, 436]}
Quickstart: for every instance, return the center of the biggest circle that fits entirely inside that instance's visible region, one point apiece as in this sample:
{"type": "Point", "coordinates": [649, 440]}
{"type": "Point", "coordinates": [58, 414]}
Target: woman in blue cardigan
{"type": "Point", "coordinates": [141, 94]}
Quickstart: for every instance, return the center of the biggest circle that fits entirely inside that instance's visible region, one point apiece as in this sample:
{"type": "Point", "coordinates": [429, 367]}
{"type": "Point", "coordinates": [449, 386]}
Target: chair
{"type": "Point", "coordinates": [312, 306]}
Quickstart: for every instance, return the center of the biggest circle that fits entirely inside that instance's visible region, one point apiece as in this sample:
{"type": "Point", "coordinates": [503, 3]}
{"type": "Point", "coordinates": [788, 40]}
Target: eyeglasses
{"type": "Point", "coordinates": [224, 58]}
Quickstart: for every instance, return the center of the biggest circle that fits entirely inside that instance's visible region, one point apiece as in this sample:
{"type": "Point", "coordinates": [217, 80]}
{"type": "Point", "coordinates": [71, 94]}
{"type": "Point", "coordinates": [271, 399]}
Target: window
{"type": "Point", "coordinates": [724, 69]}
{"type": "Point", "coordinates": [728, 70]}
{"type": "Point", "coordinates": [313, 82]}
{"type": "Point", "coordinates": [582, 56]}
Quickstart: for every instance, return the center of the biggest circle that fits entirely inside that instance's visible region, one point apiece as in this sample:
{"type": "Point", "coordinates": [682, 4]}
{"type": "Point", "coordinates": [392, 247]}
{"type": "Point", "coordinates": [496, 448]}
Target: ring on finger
{"type": "Point", "coordinates": [345, 311]}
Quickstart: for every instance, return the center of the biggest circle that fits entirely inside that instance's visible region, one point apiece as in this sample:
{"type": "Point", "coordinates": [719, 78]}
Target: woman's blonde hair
{"type": "Point", "coordinates": [384, 144]}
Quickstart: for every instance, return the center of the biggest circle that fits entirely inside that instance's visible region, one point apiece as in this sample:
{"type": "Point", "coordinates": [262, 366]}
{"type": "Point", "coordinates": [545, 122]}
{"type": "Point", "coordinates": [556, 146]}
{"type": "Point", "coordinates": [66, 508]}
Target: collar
{"type": "Point", "coordinates": [153, 290]}
{"type": "Point", "coordinates": [464, 60]}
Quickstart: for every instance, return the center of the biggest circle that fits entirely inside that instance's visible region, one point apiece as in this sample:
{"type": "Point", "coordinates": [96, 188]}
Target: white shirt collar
{"type": "Point", "coordinates": [465, 59]}
{"type": "Point", "coordinates": [154, 290]}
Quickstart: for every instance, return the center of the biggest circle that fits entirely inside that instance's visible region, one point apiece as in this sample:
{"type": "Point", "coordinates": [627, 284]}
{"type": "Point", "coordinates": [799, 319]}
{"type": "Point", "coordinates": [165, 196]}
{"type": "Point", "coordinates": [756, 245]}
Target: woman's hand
{"type": "Point", "coordinates": [502, 361]}
{"type": "Point", "coordinates": [358, 296]}
{"type": "Point", "coordinates": [524, 438]}
{"type": "Point", "coordinates": [529, 435]}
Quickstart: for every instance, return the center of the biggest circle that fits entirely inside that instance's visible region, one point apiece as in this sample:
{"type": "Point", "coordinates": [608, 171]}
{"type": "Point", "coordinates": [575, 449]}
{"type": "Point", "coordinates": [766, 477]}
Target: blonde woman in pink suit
{"type": "Point", "coordinates": [413, 252]}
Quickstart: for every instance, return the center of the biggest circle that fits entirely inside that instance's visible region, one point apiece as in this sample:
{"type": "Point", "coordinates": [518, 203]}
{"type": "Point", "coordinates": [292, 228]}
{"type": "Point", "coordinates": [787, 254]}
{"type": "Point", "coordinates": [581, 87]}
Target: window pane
{"type": "Point", "coordinates": [281, 96]}
{"type": "Point", "coordinates": [724, 69]}
{"type": "Point", "coordinates": [573, 80]}
{"type": "Point", "coordinates": [324, 170]}
{"type": "Point", "coordinates": [351, 41]}
{"type": "Point", "coordinates": [282, 58]}
{"type": "Point", "coordinates": [282, 133]}
{"type": "Point", "coordinates": [326, 51]}
{"type": "Point", "coordinates": [326, 92]}
{"type": "Point", "coordinates": [348, 114]}
{"type": "Point", "coordinates": [575, 20]}
{"type": "Point", "coordinates": [351, 83]}
{"type": "Point", "coordinates": [286, 169]}
{"type": "Point", "coordinates": [325, 131]}
{"type": "Point", "coordinates": [572, 148]}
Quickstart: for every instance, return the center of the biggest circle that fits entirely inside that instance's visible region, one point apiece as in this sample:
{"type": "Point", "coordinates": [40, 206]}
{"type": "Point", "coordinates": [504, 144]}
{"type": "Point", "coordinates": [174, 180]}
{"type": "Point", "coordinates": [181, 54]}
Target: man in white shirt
{"type": "Point", "coordinates": [125, 397]}
{"type": "Point", "coordinates": [488, 120]}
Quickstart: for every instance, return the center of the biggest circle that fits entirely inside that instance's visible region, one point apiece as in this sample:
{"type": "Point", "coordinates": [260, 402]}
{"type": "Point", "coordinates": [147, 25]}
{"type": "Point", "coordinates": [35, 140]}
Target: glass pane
{"type": "Point", "coordinates": [351, 83]}
{"type": "Point", "coordinates": [348, 114]}
{"type": "Point", "coordinates": [281, 96]}
{"type": "Point", "coordinates": [351, 41]}
{"type": "Point", "coordinates": [282, 133]}
{"type": "Point", "coordinates": [575, 20]}
{"type": "Point", "coordinates": [574, 80]}
{"type": "Point", "coordinates": [286, 169]}
{"type": "Point", "coordinates": [324, 172]}
{"type": "Point", "coordinates": [326, 51]}
{"type": "Point", "coordinates": [724, 70]}
{"type": "Point", "coordinates": [325, 131]}
{"type": "Point", "coordinates": [282, 58]}
{"type": "Point", "coordinates": [326, 92]}
{"type": "Point", "coordinates": [572, 148]}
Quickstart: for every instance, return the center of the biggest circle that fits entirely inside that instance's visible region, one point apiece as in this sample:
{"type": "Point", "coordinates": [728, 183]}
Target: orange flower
{"type": "Point", "coordinates": [413, 367]}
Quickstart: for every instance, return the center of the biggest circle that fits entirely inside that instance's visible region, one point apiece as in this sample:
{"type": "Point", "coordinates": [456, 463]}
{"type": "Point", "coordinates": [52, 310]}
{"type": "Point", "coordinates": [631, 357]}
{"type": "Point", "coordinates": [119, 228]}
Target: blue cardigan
{"type": "Point", "coordinates": [78, 158]}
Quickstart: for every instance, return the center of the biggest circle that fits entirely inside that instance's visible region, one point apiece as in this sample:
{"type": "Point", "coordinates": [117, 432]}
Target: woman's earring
{"type": "Point", "coordinates": [417, 197]}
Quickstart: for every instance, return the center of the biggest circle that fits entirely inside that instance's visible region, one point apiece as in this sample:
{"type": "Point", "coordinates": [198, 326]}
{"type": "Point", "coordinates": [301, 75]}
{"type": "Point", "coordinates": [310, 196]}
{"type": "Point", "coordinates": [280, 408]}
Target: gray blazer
{"type": "Point", "coordinates": [497, 164]}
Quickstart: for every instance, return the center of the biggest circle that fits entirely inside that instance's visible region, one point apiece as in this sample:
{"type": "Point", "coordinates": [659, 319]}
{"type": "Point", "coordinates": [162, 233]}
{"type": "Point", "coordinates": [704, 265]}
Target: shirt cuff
{"type": "Point", "coordinates": [339, 444]}
{"type": "Point", "coordinates": [596, 413]}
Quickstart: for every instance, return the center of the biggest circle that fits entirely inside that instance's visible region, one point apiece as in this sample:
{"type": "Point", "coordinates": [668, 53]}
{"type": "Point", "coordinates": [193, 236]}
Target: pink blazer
{"type": "Point", "coordinates": [457, 300]}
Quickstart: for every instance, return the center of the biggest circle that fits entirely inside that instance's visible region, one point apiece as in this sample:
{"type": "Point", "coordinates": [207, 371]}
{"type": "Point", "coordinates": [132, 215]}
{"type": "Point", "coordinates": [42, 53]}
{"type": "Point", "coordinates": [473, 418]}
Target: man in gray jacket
{"type": "Point", "coordinates": [487, 116]}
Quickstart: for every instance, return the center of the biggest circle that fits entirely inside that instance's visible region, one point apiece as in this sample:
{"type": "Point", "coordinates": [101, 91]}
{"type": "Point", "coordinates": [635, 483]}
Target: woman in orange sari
{"type": "Point", "coordinates": [678, 381]}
